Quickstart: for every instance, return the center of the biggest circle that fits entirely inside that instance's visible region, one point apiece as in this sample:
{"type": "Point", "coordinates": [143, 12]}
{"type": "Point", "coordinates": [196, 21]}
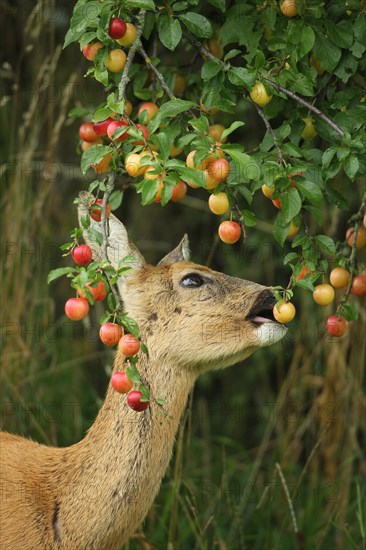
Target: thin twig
{"type": "Point", "coordinates": [152, 68]}
{"type": "Point", "coordinates": [271, 132]}
{"type": "Point", "coordinates": [131, 54]}
{"type": "Point", "coordinates": [287, 493]}
{"type": "Point", "coordinates": [241, 221]}
{"type": "Point", "coordinates": [204, 51]}
{"type": "Point", "coordinates": [306, 104]}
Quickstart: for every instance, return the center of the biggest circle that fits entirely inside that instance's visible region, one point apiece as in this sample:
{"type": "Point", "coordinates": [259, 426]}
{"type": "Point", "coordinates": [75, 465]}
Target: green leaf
{"type": "Point", "coordinates": [210, 69]}
{"type": "Point", "coordinates": [163, 142]}
{"type": "Point", "coordinates": [351, 166]}
{"type": "Point", "coordinates": [201, 124]}
{"type": "Point", "coordinates": [244, 191]}
{"type": "Point", "coordinates": [130, 325]}
{"type": "Point", "coordinates": [145, 393]}
{"type": "Point", "coordinates": [326, 52]}
{"type": "Point", "coordinates": [328, 156]}
{"type": "Point", "coordinates": [170, 31]}
{"type": "Point", "coordinates": [133, 374]}
{"type": "Point", "coordinates": [325, 243]}
{"type": "Point", "coordinates": [349, 312]}
{"type": "Point", "coordinates": [290, 258]}
{"type": "Point", "coordinates": [306, 41]}
{"type": "Point", "coordinates": [306, 282]}
{"type": "Point", "coordinates": [249, 218]}
{"type": "Point", "coordinates": [93, 155]}
{"type": "Point", "coordinates": [359, 28]}
{"type": "Point", "coordinates": [219, 4]}
{"type": "Point", "coordinates": [149, 190]}
{"type": "Point", "coordinates": [95, 235]}
{"type": "Point", "coordinates": [239, 76]}
{"type": "Point", "coordinates": [232, 128]}
{"type": "Point", "coordinates": [174, 107]}
{"type": "Point", "coordinates": [102, 114]}
{"type": "Point", "coordinates": [115, 199]}
{"type": "Point", "coordinates": [197, 24]}
{"type": "Point", "coordinates": [310, 191]}
{"type": "Point", "coordinates": [56, 273]}
{"type": "Point", "coordinates": [141, 4]}
{"type": "Point", "coordinates": [340, 34]}
{"type": "Point", "coordinates": [280, 229]}
{"type": "Point", "coordinates": [231, 54]}
{"type": "Point", "coordinates": [291, 204]}
{"type": "Point", "coordinates": [246, 167]}
{"type": "Point", "coordinates": [78, 112]}
{"type": "Point", "coordinates": [190, 175]}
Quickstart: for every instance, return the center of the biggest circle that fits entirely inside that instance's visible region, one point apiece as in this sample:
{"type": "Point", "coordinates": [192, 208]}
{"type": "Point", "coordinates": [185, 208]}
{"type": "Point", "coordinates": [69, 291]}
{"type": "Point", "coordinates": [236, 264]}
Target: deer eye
{"type": "Point", "coordinates": [193, 280]}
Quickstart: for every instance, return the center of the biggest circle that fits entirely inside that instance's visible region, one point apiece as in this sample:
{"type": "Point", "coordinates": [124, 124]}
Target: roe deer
{"type": "Point", "coordinates": [94, 494]}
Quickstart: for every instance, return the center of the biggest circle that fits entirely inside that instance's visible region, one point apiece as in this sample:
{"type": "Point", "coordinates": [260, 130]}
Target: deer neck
{"type": "Point", "coordinates": [116, 471]}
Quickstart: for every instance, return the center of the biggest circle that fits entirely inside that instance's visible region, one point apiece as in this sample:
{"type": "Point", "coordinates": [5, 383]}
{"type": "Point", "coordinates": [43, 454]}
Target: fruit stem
{"type": "Point", "coordinates": [152, 68]}
{"type": "Point", "coordinates": [240, 220]}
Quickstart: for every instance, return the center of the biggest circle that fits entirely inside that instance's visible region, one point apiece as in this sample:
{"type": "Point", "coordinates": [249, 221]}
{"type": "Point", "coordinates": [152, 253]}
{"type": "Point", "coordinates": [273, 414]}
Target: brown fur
{"type": "Point", "coordinates": [94, 494]}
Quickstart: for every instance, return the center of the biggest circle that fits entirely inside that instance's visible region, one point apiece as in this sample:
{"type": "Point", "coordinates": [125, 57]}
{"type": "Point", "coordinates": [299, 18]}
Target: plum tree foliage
{"type": "Point", "coordinates": [302, 70]}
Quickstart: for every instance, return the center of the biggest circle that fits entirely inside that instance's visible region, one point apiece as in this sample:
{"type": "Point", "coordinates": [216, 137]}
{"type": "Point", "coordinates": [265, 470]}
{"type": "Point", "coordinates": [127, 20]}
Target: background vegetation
{"type": "Point", "coordinates": [292, 416]}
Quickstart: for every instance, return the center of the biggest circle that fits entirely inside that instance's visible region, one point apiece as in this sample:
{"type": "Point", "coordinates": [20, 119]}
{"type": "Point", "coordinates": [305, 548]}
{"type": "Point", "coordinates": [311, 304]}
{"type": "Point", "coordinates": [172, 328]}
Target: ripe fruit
{"type": "Point", "coordinates": [293, 230]}
{"type": "Point", "coordinates": [267, 191]}
{"type": "Point", "coordinates": [285, 312]}
{"type": "Point", "coordinates": [98, 292]}
{"type": "Point", "coordinates": [110, 334]}
{"type": "Point", "coordinates": [116, 60]}
{"type": "Point", "coordinates": [129, 37]}
{"type": "Point", "coordinates": [148, 109]}
{"type": "Point", "coordinates": [76, 308]}
{"type": "Point", "coordinates": [190, 161]}
{"type": "Point", "coordinates": [95, 210]}
{"type": "Point", "coordinates": [358, 287]}
{"type": "Point", "coordinates": [134, 401]}
{"type": "Point", "coordinates": [104, 165]}
{"type": "Point", "coordinates": [259, 95]}
{"type": "Point", "coordinates": [101, 127]}
{"type": "Point", "coordinates": [215, 47]}
{"type": "Point", "coordinates": [277, 203]}
{"type": "Point", "coordinates": [133, 164]}
{"type": "Point", "coordinates": [87, 132]}
{"type": "Point", "coordinates": [179, 84]}
{"type": "Point", "coordinates": [323, 294]}
{"type": "Point", "coordinates": [129, 345]}
{"type": "Point", "coordinates": [304, 271]}
{"type": "Point", "coordinates": [216, 131]}
{"type": "Point", "coordinates": [82, 254]}
{"type": "Point", "coordinates": [219, 204]}
{"type": "Point", "coordinates": [117, 28]}
{"type": "Point", "coordinates": [309, 131]}
{"type": "Point", "coordinates": [361, 237]}
{"type": "Point", "coordinates": [336, 326]}
{"type": "Point", "coordinates": [90, 50]}
{"type": "Point", "coordinates": [364, 220]}
{"type": "Point", "coordinates": [145, 133]}
{"type": "Point", "coordinates": [339, 277]}
{"type": "Point", "coordinates": [179, 191]}
{"type": "Point", "coordinates": [229, 232]}
{"type": "Point", "coordinates": [211, 183]}
{"type": "Point", "coordinates": [120, 382]}
{"type": "Point", "coordinates": [288, 8]}
{"type": "Point", "coordinates": [113, 126]}
{"type": "Point", "coordinates": [219, 169]}
{"type": "Point", "coordinates": [151, 174]}
{"type": "Point", "coordinates": [85, 145]}
{"type": "Point", "coordinates": [128, 107]}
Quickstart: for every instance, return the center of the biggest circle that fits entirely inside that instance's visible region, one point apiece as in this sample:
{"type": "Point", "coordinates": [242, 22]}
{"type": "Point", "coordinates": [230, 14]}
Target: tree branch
{"type": "Point", "coordinates": [131, 54]}
{"type": "Point", "coordinates": [306, 104]}
{"type": "Point", "coordinates": [271, 132]}
{"type": "Point", "coordinates": [204, 51]}
{"type": "Point", "coordinates": [152, 68]}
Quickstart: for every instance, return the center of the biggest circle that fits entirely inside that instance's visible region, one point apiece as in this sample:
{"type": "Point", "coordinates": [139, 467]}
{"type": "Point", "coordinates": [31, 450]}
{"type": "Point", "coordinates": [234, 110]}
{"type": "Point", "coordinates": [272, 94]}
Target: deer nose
{"type": "Point", "coordinates": [263, 305]}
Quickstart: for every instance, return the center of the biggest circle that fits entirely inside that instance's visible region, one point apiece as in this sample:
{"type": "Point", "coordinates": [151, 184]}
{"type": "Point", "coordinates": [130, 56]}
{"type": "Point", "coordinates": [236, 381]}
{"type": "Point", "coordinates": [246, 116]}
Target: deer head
{"type": "Point", "coordinates": [198, 318]}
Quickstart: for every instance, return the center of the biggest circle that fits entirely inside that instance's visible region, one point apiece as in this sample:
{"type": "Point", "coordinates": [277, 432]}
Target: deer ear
{"type": "Point", "coordinates": [119, 245]}
{"type": "Point", "coordinates": [179, 254]}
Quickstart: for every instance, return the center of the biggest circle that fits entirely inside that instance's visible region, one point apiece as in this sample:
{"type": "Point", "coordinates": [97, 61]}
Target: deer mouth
{"type": "Point", "coordinates": [262, 310]}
